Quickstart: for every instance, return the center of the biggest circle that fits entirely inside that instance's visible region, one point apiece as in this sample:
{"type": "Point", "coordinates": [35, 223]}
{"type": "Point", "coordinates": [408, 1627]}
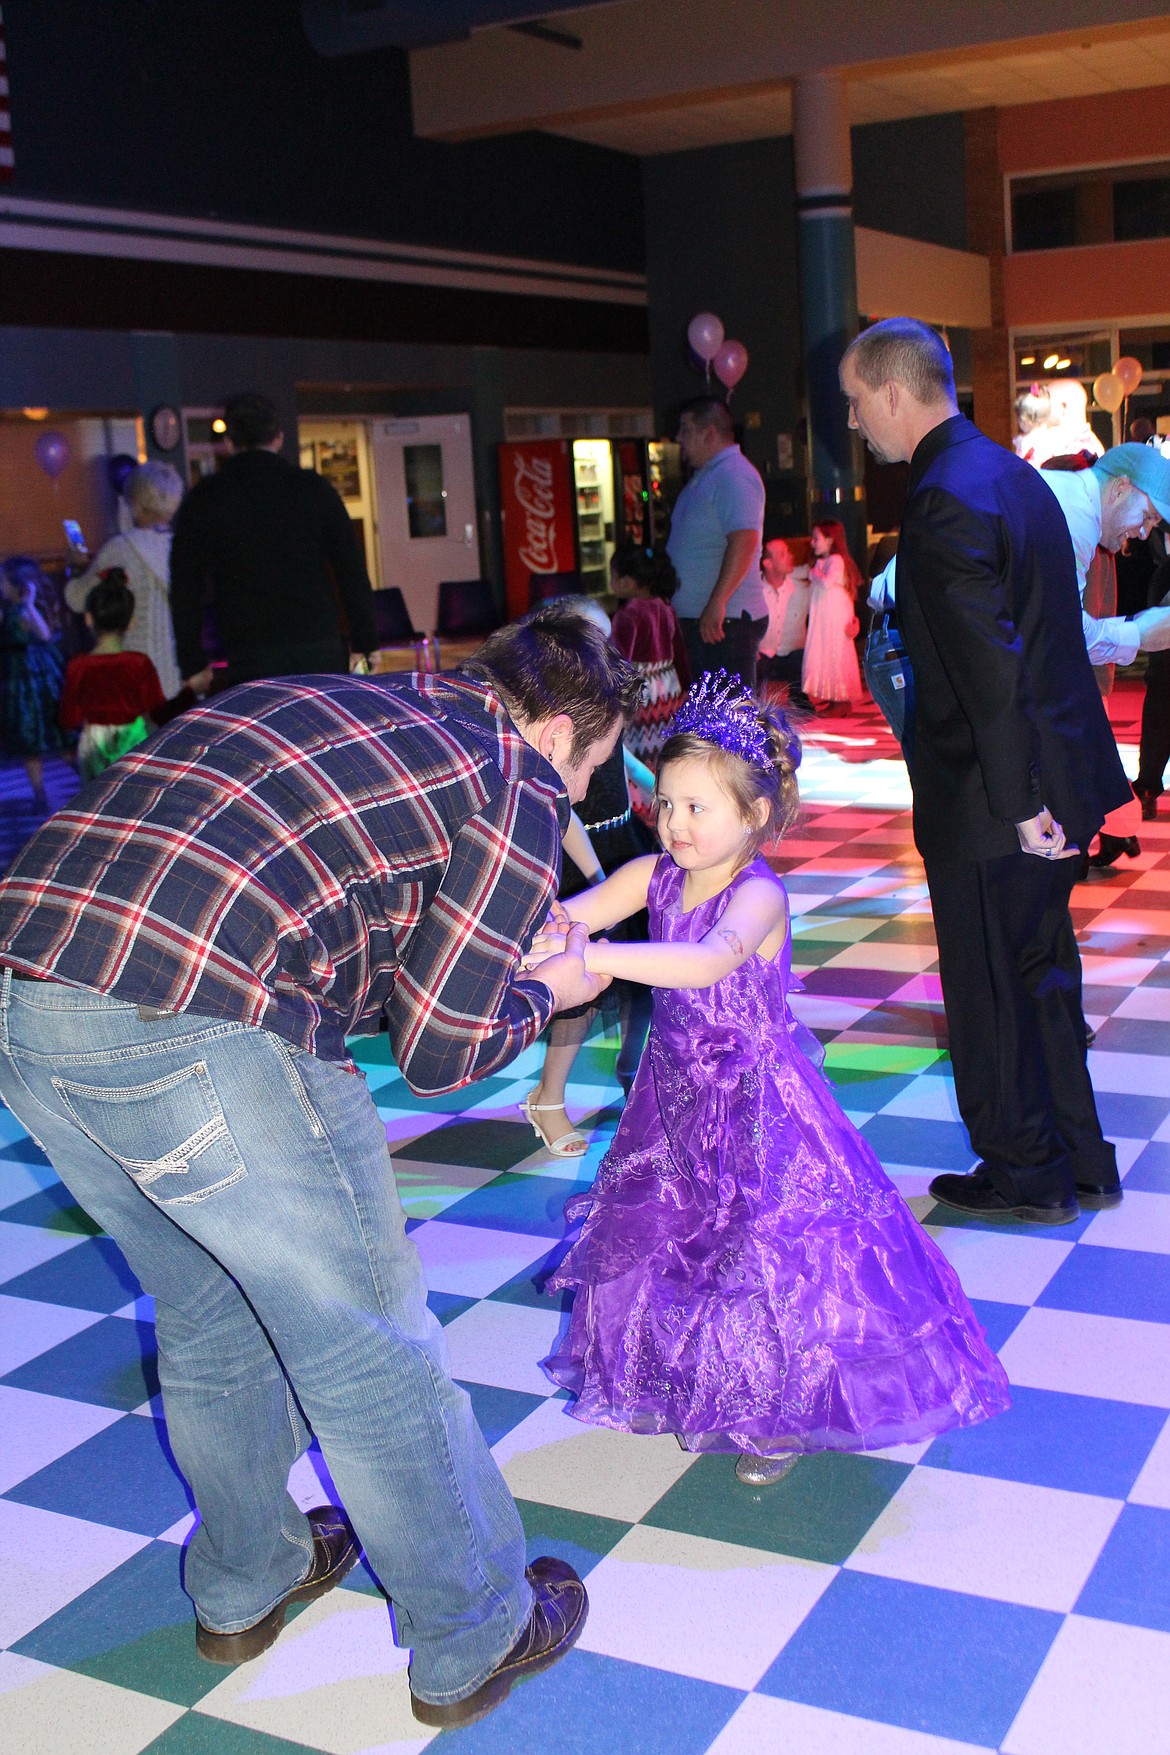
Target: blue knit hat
{"type": "Point", "coordinates": [1145, 467]}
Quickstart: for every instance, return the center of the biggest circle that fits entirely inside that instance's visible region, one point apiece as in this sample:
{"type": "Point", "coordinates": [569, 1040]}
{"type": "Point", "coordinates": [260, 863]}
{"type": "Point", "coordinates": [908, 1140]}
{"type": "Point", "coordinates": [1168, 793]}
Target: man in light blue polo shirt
{"type": "Point", "coordinates": [715, 533]}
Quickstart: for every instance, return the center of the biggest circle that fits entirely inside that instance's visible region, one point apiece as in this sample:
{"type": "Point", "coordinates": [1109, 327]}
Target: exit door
{"type": "Point", "coordinates": [425, 484]}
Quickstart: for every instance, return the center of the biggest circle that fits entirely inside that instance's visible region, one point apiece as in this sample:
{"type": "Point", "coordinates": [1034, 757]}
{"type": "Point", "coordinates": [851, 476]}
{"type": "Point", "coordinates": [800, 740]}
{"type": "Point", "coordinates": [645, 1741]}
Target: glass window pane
{"type": "Point", "coordinates": [1044, 219]}
{"type": "Point", "coordinates": [1141, 208]}
{"type": "Point", "coordinates": [426, 499]}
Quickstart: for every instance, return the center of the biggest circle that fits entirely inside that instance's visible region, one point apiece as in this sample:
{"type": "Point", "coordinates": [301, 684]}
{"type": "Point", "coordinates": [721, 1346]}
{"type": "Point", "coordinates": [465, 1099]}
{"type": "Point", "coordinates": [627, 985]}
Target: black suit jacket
{"type": "Point", "coordinates": [274, 549]}
{"type": "Point", "coordinates": [1007, 713]}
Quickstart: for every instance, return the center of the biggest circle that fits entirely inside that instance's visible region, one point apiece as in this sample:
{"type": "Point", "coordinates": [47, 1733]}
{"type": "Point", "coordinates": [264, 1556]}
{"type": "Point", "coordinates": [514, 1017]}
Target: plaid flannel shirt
{"type": "Point", "coordinates": [307, 855]}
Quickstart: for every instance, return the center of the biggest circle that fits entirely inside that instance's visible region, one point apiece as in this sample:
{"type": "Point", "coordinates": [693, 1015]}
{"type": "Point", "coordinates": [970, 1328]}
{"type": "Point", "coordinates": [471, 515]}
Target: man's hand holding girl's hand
{"type": "Point", "coordinates": [546, 944]}
{"type": "Point", "coordinates": [559, 961]}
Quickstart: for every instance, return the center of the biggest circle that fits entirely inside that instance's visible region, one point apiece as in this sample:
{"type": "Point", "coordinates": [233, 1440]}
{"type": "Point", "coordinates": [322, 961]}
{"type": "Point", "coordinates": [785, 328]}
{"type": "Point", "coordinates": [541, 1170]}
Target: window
{"type": "Point", "coordinates": [1117, 204]}
{"type": "Point", "coordinates": [426, 497]}
{"type": "Point", "coordinates": [1141, 208]}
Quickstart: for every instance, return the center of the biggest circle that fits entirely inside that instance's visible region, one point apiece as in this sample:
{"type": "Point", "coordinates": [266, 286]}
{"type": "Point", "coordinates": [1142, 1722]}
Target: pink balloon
{"type": "Point", "coordinates": [1129, 371]}
{"type": "Point", "coordinates": [705, 334]}
{"type": "Point", "coordinates": [1108, 391]}
{"type": "Point", "coordinates": [730, 363]}
{"type": "Point", "coordinates": [52, 453]}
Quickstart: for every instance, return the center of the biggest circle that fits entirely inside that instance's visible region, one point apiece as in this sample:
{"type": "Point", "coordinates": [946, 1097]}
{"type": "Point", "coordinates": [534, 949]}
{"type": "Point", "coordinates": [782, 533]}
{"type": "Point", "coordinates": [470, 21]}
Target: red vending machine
{"type": "Point", "coordinates": [538, 514]}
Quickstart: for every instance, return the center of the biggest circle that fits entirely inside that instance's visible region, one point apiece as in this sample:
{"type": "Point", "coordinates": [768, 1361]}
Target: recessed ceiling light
{"type": "Point", "coordinates": [1027, 359]}
{"type": "Point", "coordinates": [1050, 360]}
{"type": "Point", "coordinates": [1063, 365]}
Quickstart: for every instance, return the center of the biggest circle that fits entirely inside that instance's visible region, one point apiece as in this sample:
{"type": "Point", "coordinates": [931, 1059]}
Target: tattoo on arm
{"type": "Point", "coordinates": [733, 939]}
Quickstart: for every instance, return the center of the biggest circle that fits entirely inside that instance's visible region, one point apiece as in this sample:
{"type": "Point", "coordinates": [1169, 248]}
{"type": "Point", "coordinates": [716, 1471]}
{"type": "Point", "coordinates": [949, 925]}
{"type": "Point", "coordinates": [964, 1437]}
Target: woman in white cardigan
{"type": "Point", "coordinates": [153, 491]}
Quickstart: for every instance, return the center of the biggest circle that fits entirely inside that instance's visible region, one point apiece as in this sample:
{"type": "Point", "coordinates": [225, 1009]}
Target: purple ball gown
{"type": "Point", "coordinates": [747, 1275]}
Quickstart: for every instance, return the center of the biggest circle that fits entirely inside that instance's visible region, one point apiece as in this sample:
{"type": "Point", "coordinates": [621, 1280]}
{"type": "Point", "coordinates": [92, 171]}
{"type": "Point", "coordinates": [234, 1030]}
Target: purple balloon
{"type": "Point", "coordinates": [705, 332]}
{"type": "Point", "coordinates": [52, 453]}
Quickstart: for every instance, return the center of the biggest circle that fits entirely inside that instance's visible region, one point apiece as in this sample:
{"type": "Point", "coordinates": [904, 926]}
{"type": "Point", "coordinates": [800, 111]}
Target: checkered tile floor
{"type": "Point", "coordinates": [1006, 1588]}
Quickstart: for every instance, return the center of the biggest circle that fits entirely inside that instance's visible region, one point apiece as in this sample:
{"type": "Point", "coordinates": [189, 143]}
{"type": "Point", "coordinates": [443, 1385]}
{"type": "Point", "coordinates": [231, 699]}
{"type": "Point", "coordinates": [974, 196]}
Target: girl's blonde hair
{"type": "Point", "coordinates": [1033, 408]}
{"type": "Point", "coordinates": [773, 780]}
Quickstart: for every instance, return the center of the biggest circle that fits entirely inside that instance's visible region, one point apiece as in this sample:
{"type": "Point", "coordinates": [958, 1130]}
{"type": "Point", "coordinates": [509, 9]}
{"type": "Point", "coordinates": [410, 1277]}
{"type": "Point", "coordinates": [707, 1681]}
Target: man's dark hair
{"type": "Point", "coordinates": [110, 603]}
{"type": "Point", "coordinates": [710, 411]}
{"type": "Point", "coordinates": [252, 420]}
{"type": "Point", "coordinates": [906, 352]}
{"type": "Point", "coordinates": [557, 662]}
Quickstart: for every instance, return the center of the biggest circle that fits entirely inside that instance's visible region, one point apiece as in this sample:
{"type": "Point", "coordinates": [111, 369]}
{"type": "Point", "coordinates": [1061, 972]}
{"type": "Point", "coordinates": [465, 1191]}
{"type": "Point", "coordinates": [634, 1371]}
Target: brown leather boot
{"type": "Point", "coordinates": [335, 1552]}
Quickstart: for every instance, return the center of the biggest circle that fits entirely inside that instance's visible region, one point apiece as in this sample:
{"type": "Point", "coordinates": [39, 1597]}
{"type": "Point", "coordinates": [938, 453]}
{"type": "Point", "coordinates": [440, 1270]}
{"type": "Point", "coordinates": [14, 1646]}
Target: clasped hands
{"type": "Point", "coordinates": [557, 957]}
{"type": "Point", "coordinates": [1044, 837]}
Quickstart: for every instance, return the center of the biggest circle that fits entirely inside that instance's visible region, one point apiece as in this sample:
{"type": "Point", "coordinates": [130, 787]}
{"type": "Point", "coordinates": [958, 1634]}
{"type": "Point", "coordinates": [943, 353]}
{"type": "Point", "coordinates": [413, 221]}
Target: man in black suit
{"type": "Point", "coordinates": [1015, 769]}
{"type": "Point", "coordinates": [272, 548]}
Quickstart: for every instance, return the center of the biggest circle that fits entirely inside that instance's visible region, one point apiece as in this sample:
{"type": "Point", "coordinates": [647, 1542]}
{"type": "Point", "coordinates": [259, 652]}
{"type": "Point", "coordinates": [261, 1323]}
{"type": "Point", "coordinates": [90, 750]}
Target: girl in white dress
{"type": "Point", "coordinates": [831, 675]}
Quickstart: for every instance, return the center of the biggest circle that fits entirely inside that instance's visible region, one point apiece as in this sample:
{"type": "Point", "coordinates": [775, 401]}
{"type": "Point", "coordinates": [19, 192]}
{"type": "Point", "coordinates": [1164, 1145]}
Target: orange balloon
{"type": "Point", "coordinates": [1129, 371]}
{"type": "Point", "coordinates": [1109, 391]}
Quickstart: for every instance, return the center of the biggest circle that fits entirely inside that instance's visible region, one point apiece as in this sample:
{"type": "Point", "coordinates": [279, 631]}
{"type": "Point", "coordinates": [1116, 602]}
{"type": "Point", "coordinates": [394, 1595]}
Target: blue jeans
{"type": "Point", "coordinates": [250, 1189]}
{"type": "Point", "coordinates": [891, 681]}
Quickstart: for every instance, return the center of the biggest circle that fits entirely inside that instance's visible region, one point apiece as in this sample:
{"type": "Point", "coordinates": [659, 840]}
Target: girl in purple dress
{"type": "Point", "coordinates": [747, 1277]}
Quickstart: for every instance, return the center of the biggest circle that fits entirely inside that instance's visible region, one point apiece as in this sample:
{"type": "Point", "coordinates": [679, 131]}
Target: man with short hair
{"type": "Point", "coordinates": [1015, 769]}
{"type": "Point", "coordinates": [781, 654]}
{"type": "Point", "coordinates": [1123, 494]}
{"type": "Point", "coordinates": [183, 957]}
{"type": "Point", "coordinates": [272, 549]}
{"type": "Point", "coordinates": [715, 533]}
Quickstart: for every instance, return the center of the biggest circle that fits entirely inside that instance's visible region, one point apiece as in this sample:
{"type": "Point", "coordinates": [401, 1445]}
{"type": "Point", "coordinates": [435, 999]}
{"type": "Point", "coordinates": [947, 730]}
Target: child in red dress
{"type": "Point", "coordinates": [114, 697]}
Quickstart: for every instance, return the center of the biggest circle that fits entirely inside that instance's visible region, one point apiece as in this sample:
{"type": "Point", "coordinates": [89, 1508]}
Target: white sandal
{"type": "Point", "coordinates": [765, 1471]}
{"type": "Point", "coordinates": [566, 1145]}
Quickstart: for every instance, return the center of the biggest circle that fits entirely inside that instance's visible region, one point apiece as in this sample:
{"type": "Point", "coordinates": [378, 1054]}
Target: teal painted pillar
{"type": "Point", "coordinates": [828, 298]}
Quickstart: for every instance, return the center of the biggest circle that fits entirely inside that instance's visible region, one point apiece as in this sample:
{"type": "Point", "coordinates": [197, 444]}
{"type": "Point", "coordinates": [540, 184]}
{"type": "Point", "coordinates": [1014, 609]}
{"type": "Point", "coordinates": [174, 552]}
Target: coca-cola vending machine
{"type": "Point", "coordinates": [537, 508]}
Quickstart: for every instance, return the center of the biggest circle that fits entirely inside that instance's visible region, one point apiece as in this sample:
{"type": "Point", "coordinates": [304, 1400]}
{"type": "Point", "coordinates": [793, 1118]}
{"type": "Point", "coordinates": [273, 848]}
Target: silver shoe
{"type": "Point", "coordinates": [765, 1471]}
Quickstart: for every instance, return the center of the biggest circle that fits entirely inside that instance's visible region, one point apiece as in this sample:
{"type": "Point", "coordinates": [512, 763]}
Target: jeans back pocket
{"type": "Point", "coordinates": [170, 1136]}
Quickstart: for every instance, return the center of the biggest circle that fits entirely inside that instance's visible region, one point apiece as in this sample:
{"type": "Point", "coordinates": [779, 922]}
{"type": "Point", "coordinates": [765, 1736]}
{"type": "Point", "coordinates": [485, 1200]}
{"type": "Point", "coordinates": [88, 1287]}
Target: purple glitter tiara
{"type": "Point", "coordinates": [721, 711]}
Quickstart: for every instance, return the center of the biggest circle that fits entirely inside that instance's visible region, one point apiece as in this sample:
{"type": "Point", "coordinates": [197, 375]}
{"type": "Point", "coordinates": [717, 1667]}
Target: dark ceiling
{"type": "Point", "coordinates": [347, 27]}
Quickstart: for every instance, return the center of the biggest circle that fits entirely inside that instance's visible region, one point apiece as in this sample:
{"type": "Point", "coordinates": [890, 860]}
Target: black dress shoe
{"type": "Point", "coordinates": [554, 1627]}
{"type": "Point", "coordinates": [1149, 804]}
{"type": "Point", "coordinates": [335, 1552]}
{"type": "Point", "coordinates": [1095, 1196]}
{"type": "Point", "coordinates": [977, 1195]}
{"type": "Point", "coordinates": [1113, 846]}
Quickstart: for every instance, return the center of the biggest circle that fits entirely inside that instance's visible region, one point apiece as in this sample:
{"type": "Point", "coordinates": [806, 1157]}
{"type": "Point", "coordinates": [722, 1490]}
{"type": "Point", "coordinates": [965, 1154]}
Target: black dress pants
{"type": "Point", "coordinates": [1011, 982]}
{"type": "Point", "coordinates": [785, 667]}
{"type": "Point", "coordinates": [736, 652]}
{"type": "Point", "coordinates": [1155, 746]}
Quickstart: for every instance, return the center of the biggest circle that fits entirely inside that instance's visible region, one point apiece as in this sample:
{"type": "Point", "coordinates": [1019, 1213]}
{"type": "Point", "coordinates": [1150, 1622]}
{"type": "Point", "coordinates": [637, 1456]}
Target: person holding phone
{"type": "Point", "coordinates": [143, 553]}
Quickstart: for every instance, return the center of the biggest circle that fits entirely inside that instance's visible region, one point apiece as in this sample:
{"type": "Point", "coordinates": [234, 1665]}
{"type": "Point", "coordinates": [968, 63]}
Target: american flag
{"type": "Point", "coordinates": [7, 162]}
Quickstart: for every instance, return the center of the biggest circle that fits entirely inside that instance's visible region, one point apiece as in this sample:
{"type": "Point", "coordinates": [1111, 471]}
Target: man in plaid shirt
{"type": "Point", "coordinates": [185, 951]}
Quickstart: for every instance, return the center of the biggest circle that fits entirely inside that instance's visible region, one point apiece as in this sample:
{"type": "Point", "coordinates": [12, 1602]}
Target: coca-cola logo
{"type": "Point", "coordinates": [532, 485]}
